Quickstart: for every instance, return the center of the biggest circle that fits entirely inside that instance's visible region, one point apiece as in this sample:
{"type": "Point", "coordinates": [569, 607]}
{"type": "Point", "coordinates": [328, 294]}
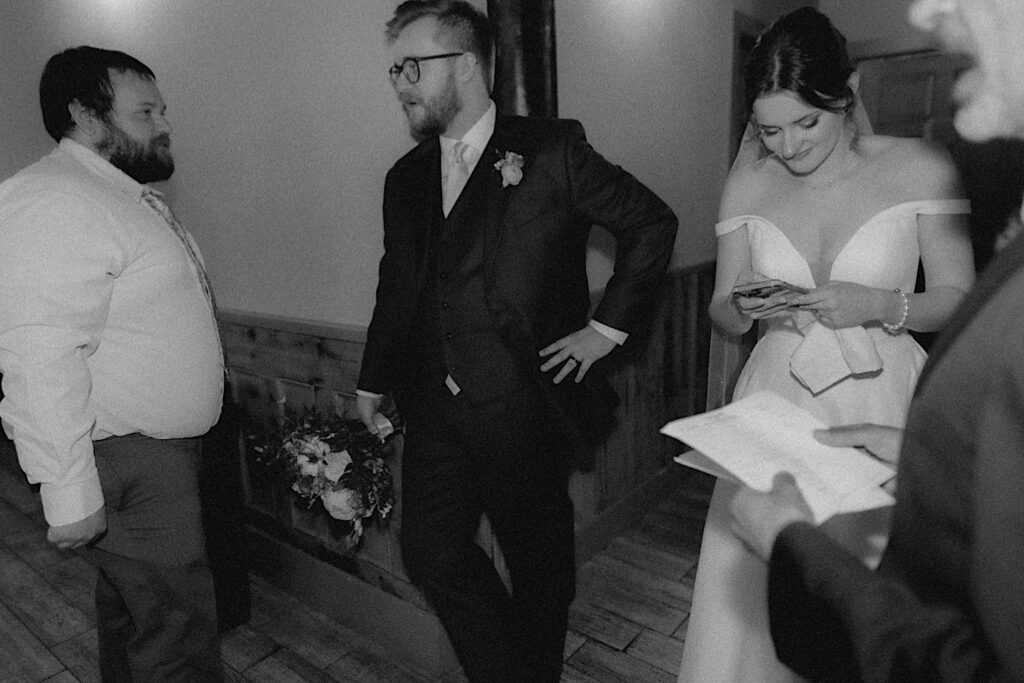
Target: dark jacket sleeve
{"type": "Point", "coordinates": [644, 228]}
{"type": "Point", "coordinates": [393, 308]}
{"type": "Point", "coordinates": [914, 619]}
{"type": "Point", "coordinates": [832, 619]}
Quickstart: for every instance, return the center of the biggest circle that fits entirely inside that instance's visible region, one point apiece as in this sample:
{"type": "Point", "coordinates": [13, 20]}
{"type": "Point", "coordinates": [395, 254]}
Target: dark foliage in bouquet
{"type": "Point", "coordinates": [333, 461]}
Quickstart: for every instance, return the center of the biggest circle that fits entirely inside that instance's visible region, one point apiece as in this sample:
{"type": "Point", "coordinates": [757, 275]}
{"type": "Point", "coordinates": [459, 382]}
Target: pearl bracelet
{"type": "Point", "coordinates": [899, 325]}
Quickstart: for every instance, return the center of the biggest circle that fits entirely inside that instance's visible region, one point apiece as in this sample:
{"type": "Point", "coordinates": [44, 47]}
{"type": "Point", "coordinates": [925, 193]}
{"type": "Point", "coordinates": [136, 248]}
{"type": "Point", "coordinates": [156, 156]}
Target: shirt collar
{"type": "Point", "coordinates": [103, 168]}
{"type": "Point", "coordinates": [477, 136]}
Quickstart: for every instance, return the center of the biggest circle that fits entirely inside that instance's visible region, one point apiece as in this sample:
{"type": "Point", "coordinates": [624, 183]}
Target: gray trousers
{"type": "Point", "coordinates": [155, 607]}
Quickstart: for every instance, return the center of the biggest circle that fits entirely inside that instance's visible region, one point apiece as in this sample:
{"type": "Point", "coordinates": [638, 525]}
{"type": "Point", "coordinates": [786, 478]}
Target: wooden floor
{"type": "Point", "coordinates": [627, 623]}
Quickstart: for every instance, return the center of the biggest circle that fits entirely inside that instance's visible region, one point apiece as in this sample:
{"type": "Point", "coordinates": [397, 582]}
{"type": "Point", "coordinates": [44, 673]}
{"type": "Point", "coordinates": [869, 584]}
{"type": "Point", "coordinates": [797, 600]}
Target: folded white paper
{"type": "Point", "coordinates": [753, 439]}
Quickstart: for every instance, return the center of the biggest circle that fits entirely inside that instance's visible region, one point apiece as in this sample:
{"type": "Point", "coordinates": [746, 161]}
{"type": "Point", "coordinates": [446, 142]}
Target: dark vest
{"type": "Point", "coordinates": [454, 334]}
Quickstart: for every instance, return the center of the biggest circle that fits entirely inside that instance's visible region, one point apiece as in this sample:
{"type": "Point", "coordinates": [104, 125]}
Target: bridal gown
{"type": "Point", "coordinates": [728, 639]}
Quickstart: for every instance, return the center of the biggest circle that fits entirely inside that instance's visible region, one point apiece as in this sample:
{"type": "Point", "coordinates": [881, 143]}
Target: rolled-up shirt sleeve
{"type": "Point", "coordinates": [57, 265]}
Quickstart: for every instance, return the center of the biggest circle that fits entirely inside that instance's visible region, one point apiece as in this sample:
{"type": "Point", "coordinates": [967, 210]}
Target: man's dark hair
{"type": "Point", "coordinates": [460, 27]}
{"type": "Point", "coordinates": [81, 74]}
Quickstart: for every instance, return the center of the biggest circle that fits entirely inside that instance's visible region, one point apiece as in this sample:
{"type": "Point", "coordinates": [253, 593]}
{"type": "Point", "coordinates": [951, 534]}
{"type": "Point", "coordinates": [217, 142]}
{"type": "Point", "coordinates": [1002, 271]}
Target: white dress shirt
{"type": "Point", "coordinates": [104, 326]}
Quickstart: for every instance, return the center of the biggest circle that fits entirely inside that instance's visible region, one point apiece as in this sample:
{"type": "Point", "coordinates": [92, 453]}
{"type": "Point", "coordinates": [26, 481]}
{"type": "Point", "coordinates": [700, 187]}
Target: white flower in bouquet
{"type": "Point", "coordinates": [307, 467]}
{"type": "Point", "coordinates": [314, 447]}
{"type": "Point", "coordinates": [343, 504]}
{"type": "Point", "coordinates": [336, 464]}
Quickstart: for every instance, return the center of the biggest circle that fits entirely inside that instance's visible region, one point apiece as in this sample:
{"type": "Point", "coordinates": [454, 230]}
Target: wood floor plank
{"type": "Point", "coordinates": [7, 555]}
{"type": "Point", "coordinates": [658, 538]}
{"type": "Point", "coordinates": [637, 607]}
{"type": "Point", "coordinates": [654, 538]}
{"type": "Point", "coordinates": [39, 606]}
{"type": "Point", "coordinates": [81, 655]}
{"type": "Point", "coordinates": [664, 652]}
{"type": "Point", "coordinates": [669, 591]}
{"type": "Point", "coordinates": [273, 670]}
{"type": "Point", "coordinates": [292, 623]}
{"type": "Point", "coordinates": [242, 646]}
{"type": "Point", "coordinates": [685, 507]}
{"type": "Point", "coordinates": [571, 674]}
{"type": "Point", "coordinates": [364, 666]}
{"type": "Point", "coordinates": [601, 624]}
{"type": "Point", "coordinates": [659, 561]}
{"type": "Point", "coordinates": [232, 676]}
{"type": "Point", "coordinates": [658, 604]}
{"type": "Point", "coordinates": [26, 538]}
{"type": "Point", "coordinates": [673, 529]}
{"type": "Point", "coordinates": [75, 579]}
{"type": "Point", "coordinates": [23, 657]}
{"type": "Point", "coordinates": [680, 633]}
{"type": "Point", "coordinates": [573, 641]}
{"type": "Point", "coordinates": [302, 667]}
{"type": "Point", "coordinates": [18, 492]}
{"type": "Point", "coordinates": [603, 663]}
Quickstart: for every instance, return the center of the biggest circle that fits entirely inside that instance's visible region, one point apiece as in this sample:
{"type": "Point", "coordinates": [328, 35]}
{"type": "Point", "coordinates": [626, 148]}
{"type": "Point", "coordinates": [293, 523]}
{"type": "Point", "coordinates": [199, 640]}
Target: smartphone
{"type": "Point", "coordinates": [765, 289]}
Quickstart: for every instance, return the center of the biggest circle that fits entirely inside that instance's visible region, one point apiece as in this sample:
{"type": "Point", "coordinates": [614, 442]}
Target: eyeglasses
{"type": "Point", "coordinates": [410, 66]}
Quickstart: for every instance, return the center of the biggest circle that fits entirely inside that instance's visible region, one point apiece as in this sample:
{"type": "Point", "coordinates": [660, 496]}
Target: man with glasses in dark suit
{"type": "Point", "coordinates": [481, 329]}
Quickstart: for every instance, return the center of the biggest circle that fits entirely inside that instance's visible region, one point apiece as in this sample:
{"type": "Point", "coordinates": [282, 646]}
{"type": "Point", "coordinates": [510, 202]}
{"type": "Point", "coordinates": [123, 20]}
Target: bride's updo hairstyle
{"type": "Point", "coordinates": [802, 53]}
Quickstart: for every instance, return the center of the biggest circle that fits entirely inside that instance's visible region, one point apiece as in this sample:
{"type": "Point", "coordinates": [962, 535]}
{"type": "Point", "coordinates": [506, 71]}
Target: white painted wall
{"type": "Point", "coordinates": [649, 79]}
{"type": "Point", "coordinates": [285, 123]}
{"type": "Point", "coordinates": [876, 22]}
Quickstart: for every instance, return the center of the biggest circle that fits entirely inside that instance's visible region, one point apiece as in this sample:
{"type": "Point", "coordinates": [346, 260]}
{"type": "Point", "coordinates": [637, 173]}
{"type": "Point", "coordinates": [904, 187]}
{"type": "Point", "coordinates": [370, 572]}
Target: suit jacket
{"type": "Point", "coordinates": [947, 602]}
{"type": "Point", "coordinates": [534, 244]}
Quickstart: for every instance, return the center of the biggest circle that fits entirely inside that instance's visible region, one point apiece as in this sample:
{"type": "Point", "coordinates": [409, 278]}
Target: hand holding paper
{"type": "Point", "coordinates": [758, 518]}
{"type": "Point", "coordinates": [753, 439]}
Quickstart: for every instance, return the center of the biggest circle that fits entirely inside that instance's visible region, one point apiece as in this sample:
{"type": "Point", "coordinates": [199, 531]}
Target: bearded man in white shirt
{"type": "Point", "coordinates": [112, 365]}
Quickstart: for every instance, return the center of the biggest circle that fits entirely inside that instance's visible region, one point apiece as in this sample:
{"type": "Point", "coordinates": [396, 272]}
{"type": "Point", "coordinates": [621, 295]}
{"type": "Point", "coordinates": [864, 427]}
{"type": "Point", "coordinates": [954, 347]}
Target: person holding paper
{"type": "Point", "coordinates": [844, 217]}
{"type": "Point", "coordinates": [947, 601]}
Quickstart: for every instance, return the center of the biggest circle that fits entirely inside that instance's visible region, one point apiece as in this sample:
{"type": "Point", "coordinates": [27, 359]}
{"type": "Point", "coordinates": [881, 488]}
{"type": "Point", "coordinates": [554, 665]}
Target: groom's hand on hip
{"type": "Point", "coordinates": [578, 351]}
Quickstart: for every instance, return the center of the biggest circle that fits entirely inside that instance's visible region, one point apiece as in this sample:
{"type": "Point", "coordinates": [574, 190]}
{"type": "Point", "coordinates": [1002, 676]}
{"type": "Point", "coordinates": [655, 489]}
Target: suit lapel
{"type": "Point", "coordinates": [497, 196]}
{"type": "Point", "coordinates": [422, 189]}
{"type": "Point", "coordinates": [1008, 262]}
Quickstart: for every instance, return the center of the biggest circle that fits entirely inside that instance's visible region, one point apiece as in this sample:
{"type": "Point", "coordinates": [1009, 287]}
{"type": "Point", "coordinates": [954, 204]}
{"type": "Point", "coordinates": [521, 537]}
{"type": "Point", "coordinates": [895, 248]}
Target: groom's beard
{"type": "Point", "coordinates": [437, 112]}
{"type": "Point", "coordinates": [144, 162]}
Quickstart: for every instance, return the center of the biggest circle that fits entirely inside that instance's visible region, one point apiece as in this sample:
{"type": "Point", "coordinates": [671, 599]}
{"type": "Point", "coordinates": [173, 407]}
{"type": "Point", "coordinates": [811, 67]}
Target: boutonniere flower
{"type": "Point", "coordinates": [511, 168]}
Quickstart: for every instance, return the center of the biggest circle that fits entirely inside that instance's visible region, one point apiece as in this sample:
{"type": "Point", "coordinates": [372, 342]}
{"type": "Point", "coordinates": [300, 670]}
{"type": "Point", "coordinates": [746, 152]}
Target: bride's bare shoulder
{"type": "Point", "coordinates": [747, 186]}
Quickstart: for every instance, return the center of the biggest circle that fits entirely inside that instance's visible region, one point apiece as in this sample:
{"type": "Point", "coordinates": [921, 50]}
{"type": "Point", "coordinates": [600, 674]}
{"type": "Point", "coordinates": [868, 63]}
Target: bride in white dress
{"type": "Point", "coordinates": [815, 201]}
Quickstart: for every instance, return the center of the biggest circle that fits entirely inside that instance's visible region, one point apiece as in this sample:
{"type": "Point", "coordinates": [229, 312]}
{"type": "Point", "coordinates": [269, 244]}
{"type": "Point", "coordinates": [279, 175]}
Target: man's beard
{"type": "Point", "coordinates": [145, 163]}
{"type": "Point", "coordinates": [438, 112]}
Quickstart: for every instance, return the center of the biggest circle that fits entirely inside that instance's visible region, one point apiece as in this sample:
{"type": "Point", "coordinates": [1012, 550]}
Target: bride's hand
{"type": "Point", "coordinates": [839, 304]}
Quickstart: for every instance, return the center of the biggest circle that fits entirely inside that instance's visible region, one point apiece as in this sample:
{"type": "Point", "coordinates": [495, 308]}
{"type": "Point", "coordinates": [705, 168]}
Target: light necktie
{"type": "Point", "coordinates": [156, 200]}
{"type": "Point", "coordinates": [458, 174]}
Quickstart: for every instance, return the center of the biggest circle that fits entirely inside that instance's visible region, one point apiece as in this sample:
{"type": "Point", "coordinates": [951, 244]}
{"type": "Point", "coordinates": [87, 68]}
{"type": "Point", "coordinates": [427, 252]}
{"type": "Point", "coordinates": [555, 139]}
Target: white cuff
{"type": "Point", "coordinates": [617, 336]}
{"type": "Point", "coordinates": [72, 502]}
{"type": "Point", "coordinates": [369, 394]}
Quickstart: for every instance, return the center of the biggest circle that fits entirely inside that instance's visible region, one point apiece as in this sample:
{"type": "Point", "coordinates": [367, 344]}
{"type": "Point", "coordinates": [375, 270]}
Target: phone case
{"type": "Point", "coordinates": [762, 290]}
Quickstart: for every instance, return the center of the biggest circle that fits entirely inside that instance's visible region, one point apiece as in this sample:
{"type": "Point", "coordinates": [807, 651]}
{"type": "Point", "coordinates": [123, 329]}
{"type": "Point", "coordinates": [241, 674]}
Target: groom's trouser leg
{"type": "Point", "coordinates": [532, 518]}
{"type": "Point", "coordinates": [498, 458]}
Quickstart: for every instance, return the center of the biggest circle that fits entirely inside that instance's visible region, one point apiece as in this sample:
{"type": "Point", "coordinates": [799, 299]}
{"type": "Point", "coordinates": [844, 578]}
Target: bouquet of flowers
{"type": "Point", "coordinates": [333, 461]}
